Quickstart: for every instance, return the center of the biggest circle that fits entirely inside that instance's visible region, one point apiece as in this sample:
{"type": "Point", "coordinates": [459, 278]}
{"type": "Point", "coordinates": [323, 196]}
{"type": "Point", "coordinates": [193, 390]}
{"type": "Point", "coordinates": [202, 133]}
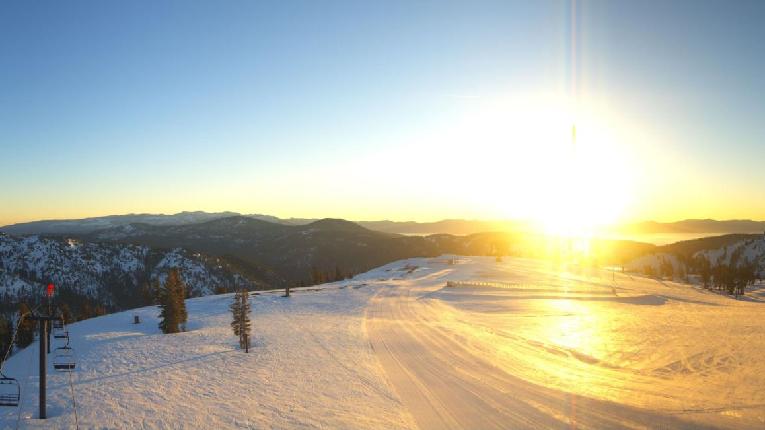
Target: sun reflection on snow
{"type": "Point", "coordinates": [574, 328]}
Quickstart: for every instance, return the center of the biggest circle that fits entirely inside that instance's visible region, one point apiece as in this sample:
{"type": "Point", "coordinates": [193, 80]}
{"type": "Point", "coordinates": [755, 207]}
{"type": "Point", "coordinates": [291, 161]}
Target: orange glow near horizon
{"type": "Point", "coordinates": [566, 181]}
{"type": "Point", "coordinates": [508, 157]}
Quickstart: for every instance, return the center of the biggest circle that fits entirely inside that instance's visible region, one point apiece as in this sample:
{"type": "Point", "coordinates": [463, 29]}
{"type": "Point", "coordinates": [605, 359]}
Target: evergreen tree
{"type": "Point", "coordinates": [666, 268]}
{"type": "Point", "coordinates": [86, 311]}
{"type": "Point", "coordinates": [179, 289]}
{"type": "Point", "coordinates": [26, 333]}
{"type": "Point", "coordinates": [648, 270]}
{"type": "Point", "coordinates": [236, 311]}
{"type": "Point", "coordinates": [66, 314]}
{"type": "Point", "coordinates": [240, 313]}
{"type": "Point", "coordinates": [318, 276]}
{"type": "Point", "coordinates": [6, 333]}
{"type": "Point", "coordinates": [155, 291]}
{"type": "Point", "coordinates": [704, 269]}
{"type": "Point", "coordinates": [172, 305]}
{"type": "Point", "coordinates": [168, 314]}
{"type": "Point", "coordinates": [245, 325]}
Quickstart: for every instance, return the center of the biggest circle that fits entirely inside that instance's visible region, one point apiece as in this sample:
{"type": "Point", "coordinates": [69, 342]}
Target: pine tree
{"type": "Point", "coordinates": [704, 269]}
{"type": "Point", "coordinates": [240, 313]}
{"type": "Point", "coordinates": [245, 326]}
{"type": "Point", "coordinates": [5, 336]}
{"type": "Point", "coordinates": [666, 269]}
{"type": "Point", "coordinates": [168, 314]}
{"type": "Point", "coordinates": [26, 333]}
{"type": "Point", "coordinates": [155, 290]}
{"type": "Point", "coordinates": [236, 311]}
{"type": "Point", "coordinates": [66, 314]}
{"type": "Point", "coordinates": [171, 298]}
{"type": "Point", "coordinates": [179, 289]}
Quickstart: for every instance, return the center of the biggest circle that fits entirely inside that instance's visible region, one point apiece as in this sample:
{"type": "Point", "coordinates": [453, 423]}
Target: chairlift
{"type": "Point", "coordinates": [10, 391]}
{"type": "Point", "coordinates": [63, 360]}
{"type": "Point", "coordinates": [58, 324]}
{"type": "Point", "coordinates": [61, 335]}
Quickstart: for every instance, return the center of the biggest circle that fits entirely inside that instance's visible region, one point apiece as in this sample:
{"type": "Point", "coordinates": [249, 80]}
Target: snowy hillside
{"type": "Point", "coordinates": [652, 263]}
{"type": "Point", "coordinates": [436, 343]}
{"type": "Point", "coordinates": [311, 367]}
{"type": "Point", "coordinates": [87, 225]}
{"type": "Point", "coordinates": [749, 251]}
{"type": "Point", "coordinates": [744, 252]}
{"type": "Point", "coordinates": [100, 270]}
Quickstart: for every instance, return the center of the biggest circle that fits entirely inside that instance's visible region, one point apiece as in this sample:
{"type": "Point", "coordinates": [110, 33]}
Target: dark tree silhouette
{"type": "Point", "coordinates": [240, 313]}
{"type": "Point", "coordinates": [173, 315]}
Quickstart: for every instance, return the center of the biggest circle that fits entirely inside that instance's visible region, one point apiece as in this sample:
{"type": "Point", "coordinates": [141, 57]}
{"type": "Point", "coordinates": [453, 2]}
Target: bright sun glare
{"type": "Point", "coordinates": [563, 169]}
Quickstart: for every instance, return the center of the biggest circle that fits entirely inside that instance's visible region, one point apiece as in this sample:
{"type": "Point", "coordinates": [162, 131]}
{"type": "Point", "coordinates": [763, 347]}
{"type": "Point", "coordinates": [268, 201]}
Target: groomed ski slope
{"type": "Point", "coordinates": [310, 367]}
{"type": "Point", "coordinates": [526, 345]}
{"type": "Point", "coordinates": [516, 344]}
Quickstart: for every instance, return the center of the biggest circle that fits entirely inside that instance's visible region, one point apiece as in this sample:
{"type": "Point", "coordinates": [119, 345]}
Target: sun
{"type": "Point", "coordinates": [535, 157]}
{"type": "Point", "coordinates": [587, 188]}
{"type": "Point", "coordinates": [565, 169]}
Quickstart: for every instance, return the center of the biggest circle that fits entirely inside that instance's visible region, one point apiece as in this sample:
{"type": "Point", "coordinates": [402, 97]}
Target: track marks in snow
{"type": "Point", "coordinates": [544, 350]}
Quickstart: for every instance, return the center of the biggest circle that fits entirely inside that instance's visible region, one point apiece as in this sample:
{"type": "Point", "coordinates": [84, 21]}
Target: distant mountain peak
{"type": "Point", "coordinates": [335, 224]}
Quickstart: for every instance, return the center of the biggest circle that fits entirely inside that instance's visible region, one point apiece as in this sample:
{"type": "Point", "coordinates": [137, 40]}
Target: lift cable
{"type": "Point", "coordinates": [74, 403]}
{"type": "Point", "coordinates": [21, 400]}
{"type": "Point", "coordinates": [13, 338]}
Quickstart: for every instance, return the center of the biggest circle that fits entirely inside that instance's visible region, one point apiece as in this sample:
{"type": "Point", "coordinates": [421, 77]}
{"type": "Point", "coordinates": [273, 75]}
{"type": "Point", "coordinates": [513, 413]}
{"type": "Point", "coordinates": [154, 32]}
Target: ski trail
{"type": "Point", "coordinates": [447, 384]}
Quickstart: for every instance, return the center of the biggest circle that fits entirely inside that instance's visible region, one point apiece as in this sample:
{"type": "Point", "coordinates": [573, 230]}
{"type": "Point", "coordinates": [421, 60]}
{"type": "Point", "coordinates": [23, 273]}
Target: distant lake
{"type": "Point", "coordinates": [653, 238]}
{"type": "Point", "coordinates": [660, 238]}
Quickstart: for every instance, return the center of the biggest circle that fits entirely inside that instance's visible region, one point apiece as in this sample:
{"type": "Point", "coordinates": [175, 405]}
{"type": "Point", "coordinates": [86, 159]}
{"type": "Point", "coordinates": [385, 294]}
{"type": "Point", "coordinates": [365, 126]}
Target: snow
{"type": "Point", "coordinates": [513, 344]}
{"type": "Point", "coordinates": [310, 367]}
{"type": "Point", "coordinates": [523, 344]}
{"type": "Point", "coordinates": [90, 268]}
{"type": "Point", "coordinates": [750, 251]}
{"type": "Point", "coordinates": [654, 261]}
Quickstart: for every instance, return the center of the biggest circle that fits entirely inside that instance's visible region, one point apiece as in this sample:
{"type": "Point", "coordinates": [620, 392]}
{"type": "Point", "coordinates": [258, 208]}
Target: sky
{"type": "Point", "coordinates": [402, 110]}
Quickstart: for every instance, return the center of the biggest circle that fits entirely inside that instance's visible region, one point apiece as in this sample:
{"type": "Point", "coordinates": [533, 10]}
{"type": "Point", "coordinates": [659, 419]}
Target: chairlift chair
{"type": "Point", "coordinates": [63, 360]}
{"type": "Point", "coordinates": [61, 335]}
{"type": "Point", "coordinates": [10, 391]}
{"type": "Point", "coordinates": [58, 324]}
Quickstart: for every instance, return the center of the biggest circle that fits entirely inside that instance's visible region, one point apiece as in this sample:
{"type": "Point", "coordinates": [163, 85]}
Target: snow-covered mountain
{"type": "Point", "coordinates": [111, 273]}
{"type": "Point", "coordinates": [284, 253]}
{"type": "Point", "coordinates": [742, 252]}
{"type": "Point", "coordinates": [89, 225]}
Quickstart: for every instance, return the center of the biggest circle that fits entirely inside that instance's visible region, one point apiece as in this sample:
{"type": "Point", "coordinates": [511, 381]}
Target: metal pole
{"type": "Point", "coordinates": [43, 366]}
{"type": "Point", "coordinates": [47, 325]}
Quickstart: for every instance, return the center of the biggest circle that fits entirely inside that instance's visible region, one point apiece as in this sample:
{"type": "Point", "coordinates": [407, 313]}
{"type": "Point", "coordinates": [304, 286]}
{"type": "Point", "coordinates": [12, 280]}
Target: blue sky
{"type": "Point", "coordinates": [311, 108]}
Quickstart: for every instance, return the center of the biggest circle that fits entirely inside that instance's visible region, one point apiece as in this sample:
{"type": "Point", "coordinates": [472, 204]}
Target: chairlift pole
{"type": "Point", "coordinates": [48, 327]}
{"type": "Point", "coordinates": [43, 365]}
{"type": "Point", "coordinates": [49, 294]}
{"type": "Point", "coordinates": [44, 320]}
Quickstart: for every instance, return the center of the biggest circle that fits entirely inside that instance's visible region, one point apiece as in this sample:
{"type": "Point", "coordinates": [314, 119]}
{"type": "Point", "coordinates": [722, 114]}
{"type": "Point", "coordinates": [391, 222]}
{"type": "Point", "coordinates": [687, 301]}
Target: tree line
{"type": "Point", "coordinates": [732, 279]}
{"type": "Point", "coordinates": [728, 275]}
{"type": "Point", "coordinates": [319, 276]}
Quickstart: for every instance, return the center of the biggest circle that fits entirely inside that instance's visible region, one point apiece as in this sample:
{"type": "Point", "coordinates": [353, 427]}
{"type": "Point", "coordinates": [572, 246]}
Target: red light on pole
{"type": "Point", "coordinates": [50, 290]}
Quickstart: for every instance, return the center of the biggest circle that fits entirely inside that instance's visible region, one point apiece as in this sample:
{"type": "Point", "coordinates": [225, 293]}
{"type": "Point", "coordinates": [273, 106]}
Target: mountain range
{"type": "Point", "coordinates": [450, 226]}
{"type": "Point", "coordinates": [114, 266]}
{"type": "Point", "coordinates": [113, 260]}
{"type": "Point", "coordinates": [115, 275]}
